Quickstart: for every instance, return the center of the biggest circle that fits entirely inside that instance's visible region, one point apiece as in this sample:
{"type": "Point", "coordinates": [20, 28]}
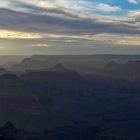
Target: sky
{"type": "Point", "coordinates": [69, 27]}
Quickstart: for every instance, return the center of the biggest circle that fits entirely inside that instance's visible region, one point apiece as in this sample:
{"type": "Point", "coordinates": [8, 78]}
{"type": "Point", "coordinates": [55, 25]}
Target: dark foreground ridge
{"type": "Point", "coordinates": [10, 132]}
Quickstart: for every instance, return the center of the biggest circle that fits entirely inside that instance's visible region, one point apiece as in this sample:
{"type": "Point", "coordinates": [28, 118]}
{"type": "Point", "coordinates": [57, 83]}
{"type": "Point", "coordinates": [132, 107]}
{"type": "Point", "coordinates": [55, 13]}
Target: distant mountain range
{"type": "Point", "coordinates": [129, 71]}
{"type": "Point", "coordinates": [53, 75]}
{"type": "Point", "coordinates": [32, 64]}
{"type": "Point", "coordinates": [81, 63]}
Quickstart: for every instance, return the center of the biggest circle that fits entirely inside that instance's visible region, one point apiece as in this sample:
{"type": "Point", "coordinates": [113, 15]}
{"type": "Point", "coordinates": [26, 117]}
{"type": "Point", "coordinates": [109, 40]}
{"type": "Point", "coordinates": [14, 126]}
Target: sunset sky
{"type": "Point", "coordinates": [70, 27]}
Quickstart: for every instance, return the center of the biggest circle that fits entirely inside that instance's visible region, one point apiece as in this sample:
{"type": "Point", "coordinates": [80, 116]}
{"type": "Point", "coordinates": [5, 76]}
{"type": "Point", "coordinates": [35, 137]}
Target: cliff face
{"type": "Point", "coordinates": [16, 101]}
{"type": "Point", "coordinates": [32, 64]}
{"type": "Point", "coordinates": [127, 71]}
{"type": "Point", "coordinates": [57, 78]}
{"type": "Point", "coordinates": [10, 83]}
{"type": "Point", "coordinates": [14, 91]}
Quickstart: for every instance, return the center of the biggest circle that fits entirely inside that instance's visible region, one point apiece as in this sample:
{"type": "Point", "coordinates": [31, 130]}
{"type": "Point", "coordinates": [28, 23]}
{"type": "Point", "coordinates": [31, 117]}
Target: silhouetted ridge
{"type": "Point", "coordinates": [28, 60]}
{"type": "Point", "coordinates": [9, 76]}
{"type": "Point", "coordinates": [8, 130]}
{"type": "Point", "coordinates": [9, 126]}
{"type": "Point", "coordinates": [111, 67]}
{"type": "Point", "coordinates": [58, 68]}
{"type": "Point", "coordinates": [125, 71]}
{"type": "Point", "coordinates": [57, 78]}
{"type": "Point", "coordinates": [3, 71]}
{"type": "Point", "coordinates": [11, 80]}
{"type": "Point", "coordinates": [112, 63]}
{"type": "Point", "coordinates": [11, 83]}
{"type": "Point", "coordinates": [33, 64]}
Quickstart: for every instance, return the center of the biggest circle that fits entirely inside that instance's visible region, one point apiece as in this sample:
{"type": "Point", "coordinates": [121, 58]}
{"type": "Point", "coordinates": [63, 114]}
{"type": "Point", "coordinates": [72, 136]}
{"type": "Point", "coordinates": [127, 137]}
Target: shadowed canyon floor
{"type": "Point", "coordinates": [57, 102]}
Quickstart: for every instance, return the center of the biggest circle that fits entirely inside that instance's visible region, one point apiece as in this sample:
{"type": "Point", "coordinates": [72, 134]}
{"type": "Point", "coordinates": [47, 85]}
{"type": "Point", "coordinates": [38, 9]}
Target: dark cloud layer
{"type": "Point", "coordinates": [38, 19]}
{"type": "Point", "coordinates": [44, 23]}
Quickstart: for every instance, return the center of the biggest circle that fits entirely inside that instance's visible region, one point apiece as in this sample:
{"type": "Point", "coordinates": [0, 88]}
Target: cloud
{"type": "Point", "coordinates": [80, 19]}
{"type": "Point", "coordinates": [67, 23]}
{"type": "Point", "coordinates": [6, 34]}
{"type": "Point", "coordinates": [134, 1]}
{"type": "Point", "coordinates": [41, 45]}
{"type": "Point", "coordinates": [107, 8]}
